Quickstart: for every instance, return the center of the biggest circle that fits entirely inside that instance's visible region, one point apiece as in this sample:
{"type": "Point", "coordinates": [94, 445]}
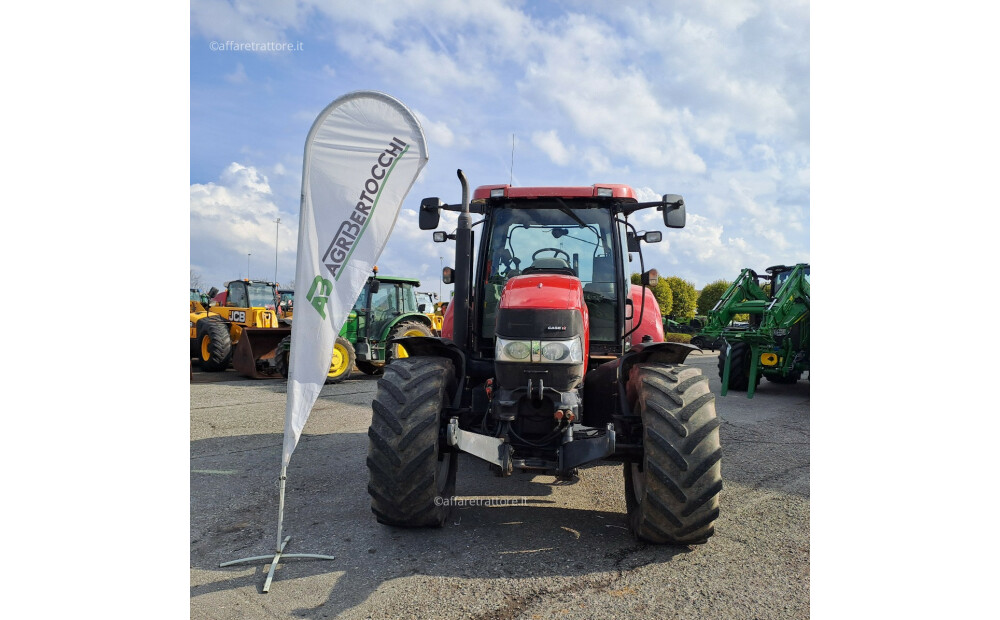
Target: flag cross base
{"type": "Point", "coordinates": [277, 557]}
{"type": "Point", "coordinates": [281, 545]}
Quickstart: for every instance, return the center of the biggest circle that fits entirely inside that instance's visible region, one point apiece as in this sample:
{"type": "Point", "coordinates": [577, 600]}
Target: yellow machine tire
{"type": "Point", "coordinates": [405, 329]}
{"type": "Point", "coordinates": [215, 348]}
{"type": "Point", "coordinates": [342, 361]}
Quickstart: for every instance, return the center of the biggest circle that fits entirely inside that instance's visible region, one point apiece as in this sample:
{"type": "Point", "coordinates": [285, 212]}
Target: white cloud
{"type": "Point", "coordinates": [246, 20]}
{"type": "Point", "coordinates": [583, 71]}
{"type": "Point", "coordinates": [236, 216]}
{"type": "Point", "coordinates": [706, 99]}
{"type": "Point", "coordinates": [437, 133]}
{"type": "Point", "coordinates": [549, 143]}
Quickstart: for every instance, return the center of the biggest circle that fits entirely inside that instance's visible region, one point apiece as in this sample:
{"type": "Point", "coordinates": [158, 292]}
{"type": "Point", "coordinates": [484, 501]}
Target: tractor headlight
{"type": "Point", "coordinates": [562, 351]}
{"type": "Point", "coordinates": [541, 351]}
{"type": "Point", "coordinates": [514, 350]}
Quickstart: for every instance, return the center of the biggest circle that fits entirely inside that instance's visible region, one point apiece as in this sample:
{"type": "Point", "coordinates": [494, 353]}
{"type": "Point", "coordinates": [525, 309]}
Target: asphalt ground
{"type": "Point", "coordinates": [540, 549]}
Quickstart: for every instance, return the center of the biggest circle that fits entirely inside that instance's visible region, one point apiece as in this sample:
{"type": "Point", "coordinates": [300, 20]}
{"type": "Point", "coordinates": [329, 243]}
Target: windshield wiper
{"type": "Point", "coordinates": [565, 209]}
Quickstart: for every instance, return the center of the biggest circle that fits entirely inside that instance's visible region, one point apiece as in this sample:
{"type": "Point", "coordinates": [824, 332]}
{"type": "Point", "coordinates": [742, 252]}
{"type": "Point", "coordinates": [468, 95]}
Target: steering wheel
{"type": "Point", "coordinates": [555, 251]}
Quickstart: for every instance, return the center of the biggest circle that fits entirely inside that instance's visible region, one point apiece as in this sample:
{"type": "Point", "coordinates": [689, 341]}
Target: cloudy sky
{"type": "Point", "coordinates": [705, 99]}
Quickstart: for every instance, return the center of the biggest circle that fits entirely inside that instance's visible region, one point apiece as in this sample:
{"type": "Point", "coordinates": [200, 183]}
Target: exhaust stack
{"type": "Point", "coordinates": [463, 268]}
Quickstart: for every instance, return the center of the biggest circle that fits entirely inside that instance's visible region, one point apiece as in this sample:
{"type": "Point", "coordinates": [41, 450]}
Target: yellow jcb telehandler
{"type": "Point", "coordinates": [244, 330]}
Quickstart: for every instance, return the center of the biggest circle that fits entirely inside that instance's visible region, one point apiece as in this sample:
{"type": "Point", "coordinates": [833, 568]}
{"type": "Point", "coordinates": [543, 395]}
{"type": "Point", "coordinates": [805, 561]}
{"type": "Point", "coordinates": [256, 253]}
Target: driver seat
{"type": "Point", "coordinates": [549, 265]}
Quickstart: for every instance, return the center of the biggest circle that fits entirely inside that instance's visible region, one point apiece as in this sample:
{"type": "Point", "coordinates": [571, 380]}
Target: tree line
{"type": "Point", "coordinates": [679, 299]}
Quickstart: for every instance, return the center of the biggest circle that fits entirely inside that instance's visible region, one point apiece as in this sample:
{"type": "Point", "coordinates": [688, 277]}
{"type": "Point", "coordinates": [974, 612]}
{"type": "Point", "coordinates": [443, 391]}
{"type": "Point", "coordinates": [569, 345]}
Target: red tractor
{"type": "Point", "coordinates": [541, 367]}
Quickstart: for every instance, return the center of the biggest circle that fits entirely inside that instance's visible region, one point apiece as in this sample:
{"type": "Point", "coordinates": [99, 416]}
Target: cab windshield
{"type": "Point", "coordinates": [577, 242]}
{"type": "Point", "coordinates": [781, 277]}
{"type": "Point", "coordinates": [261, 296]}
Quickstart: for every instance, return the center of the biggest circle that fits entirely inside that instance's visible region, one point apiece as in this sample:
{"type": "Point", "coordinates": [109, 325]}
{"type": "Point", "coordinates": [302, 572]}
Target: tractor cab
{"type": "Point", "coordinates": [286, 302]}
{"type": "Point", "coordinates": [251, 294]}
{"type": "Point", "coordinates": [386, 308]}
{"type": "Point", "coordinates": [779, 274]}
{"type": "Point", "coordinates": [381, 302]}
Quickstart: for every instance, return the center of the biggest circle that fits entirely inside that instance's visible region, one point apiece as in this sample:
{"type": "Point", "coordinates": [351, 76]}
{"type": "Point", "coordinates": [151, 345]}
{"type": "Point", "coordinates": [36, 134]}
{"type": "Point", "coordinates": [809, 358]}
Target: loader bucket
{"type": "Point", "coordinates": [254, 352]}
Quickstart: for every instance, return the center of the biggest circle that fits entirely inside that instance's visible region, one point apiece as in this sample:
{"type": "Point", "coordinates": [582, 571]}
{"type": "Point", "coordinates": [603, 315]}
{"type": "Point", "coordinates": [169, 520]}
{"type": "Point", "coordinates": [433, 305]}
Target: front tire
{"type": "Point", "coordinates": [410, 479]}
{"type": "Point", "coordinates": [672, 495]}
{"type": "Point", "coordinates": [342, 362]}
{"type": "Point", "coordinates": [739, 370]}
{"type": "Point", "coordinates": [215, 347]}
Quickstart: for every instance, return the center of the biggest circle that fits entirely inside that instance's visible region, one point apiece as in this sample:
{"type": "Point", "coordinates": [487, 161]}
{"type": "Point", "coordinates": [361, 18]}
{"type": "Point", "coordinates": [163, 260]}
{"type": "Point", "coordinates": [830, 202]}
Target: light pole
{"type": "Point", "coordinates": [248, 265]}
{"type": "Point", "coordinates": [276, 223]}
{"type": "Point", "coordinates": [440, 279]}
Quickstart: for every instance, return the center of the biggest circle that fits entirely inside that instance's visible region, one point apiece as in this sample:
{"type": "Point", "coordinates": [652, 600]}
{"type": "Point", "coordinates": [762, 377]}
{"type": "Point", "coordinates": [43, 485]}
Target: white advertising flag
{"type": "Point", "coordinates": [362, 155]}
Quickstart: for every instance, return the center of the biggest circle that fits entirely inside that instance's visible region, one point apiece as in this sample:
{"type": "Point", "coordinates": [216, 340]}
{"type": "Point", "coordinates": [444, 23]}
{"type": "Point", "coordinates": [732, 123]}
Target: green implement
{"type": "Point", "coordinates": [774, 342]}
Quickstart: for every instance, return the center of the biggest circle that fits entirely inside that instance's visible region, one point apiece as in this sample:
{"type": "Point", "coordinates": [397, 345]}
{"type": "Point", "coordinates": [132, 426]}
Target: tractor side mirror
{"type": "Point", "coordinates": [430, 213]}
{"type": "Point", "coordinates": [374, 286]}
{"type": "Point", "coordinates": [674, 213]}
{"type": "Point", "coordinates": [653, 236]}
{"type": "Point", "coordinates": [632, 241]}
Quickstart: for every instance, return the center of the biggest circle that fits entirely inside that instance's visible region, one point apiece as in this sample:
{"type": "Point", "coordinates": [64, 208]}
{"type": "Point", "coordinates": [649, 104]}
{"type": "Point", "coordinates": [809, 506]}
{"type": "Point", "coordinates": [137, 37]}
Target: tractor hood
{"type": "Point", "coordinates": [543, 291]}
{"type": "Point", "coordinates": [544, 307]}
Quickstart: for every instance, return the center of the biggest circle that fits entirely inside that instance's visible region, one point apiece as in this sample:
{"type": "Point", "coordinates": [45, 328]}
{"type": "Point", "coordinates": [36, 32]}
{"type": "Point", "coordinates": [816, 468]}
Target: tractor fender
{"type": "Point", "coordinates": [422, 346]}
{"type": "Point", "coordinates": [604, 388]}
{"type": "Point", "coordinates": [656, 352]}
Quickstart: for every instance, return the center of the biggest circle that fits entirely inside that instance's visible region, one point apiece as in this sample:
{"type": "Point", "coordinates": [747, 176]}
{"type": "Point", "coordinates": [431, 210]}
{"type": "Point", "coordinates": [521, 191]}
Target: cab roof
{"type": "Point", "coordinates": [598, 190]}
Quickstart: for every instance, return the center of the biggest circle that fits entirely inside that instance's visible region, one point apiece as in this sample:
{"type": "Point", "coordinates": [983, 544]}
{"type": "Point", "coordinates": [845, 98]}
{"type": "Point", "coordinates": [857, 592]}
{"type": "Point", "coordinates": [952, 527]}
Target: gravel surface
{"type": "Point", "coordinates": [550, 549]}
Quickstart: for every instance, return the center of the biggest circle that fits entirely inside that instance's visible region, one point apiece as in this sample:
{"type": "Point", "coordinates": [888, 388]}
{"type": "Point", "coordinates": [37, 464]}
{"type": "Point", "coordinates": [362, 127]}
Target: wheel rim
{"type": "Point", "coordinates": [339, 361]}
{"type": "Point", "coordinates": [400, 351]}
{"type": "Point", "coordinates": [205, 342]}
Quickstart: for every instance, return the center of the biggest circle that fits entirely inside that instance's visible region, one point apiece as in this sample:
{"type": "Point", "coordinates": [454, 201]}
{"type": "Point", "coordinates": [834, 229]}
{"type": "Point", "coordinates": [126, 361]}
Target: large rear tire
{"type": "Point", "coordinates": [342, 361]}
{"type": "Point", "coordinates": [739, 371]}
{"type": "Point", "coordinates": [215, 347]}
{"type": "Point", "coordinates": [410, 479]}
{"type": "Point", "coordinates": [404, 329]}
{"type": "Point", "coordinates": [672, 495]}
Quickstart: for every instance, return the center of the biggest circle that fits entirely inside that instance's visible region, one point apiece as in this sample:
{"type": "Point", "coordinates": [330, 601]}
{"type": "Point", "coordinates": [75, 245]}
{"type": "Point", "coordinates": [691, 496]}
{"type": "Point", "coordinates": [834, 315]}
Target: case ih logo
{"type": "Point", "coordinates": [351, 229]}
{"type": "Point", "coordinates": [556, 328]}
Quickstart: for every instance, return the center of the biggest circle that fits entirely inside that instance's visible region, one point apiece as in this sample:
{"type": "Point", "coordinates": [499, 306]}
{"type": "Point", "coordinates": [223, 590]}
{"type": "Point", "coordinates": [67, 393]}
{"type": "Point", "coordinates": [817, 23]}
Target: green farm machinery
{"type": "Point", "coordinates": [385, 309]}
{"type": "Point", "coordinates": [774, 342]}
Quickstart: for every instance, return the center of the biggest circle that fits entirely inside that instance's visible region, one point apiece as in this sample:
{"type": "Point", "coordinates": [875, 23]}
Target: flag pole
{"type": "Point", "coordinates": [279, 549]}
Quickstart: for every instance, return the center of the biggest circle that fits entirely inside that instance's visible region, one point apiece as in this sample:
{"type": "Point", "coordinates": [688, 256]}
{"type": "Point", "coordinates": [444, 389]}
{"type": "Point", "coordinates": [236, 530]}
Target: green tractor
{"type": "Point", "coordinates": [774, 343]}
{"type": "Point", "coordinates": [386, 309]}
